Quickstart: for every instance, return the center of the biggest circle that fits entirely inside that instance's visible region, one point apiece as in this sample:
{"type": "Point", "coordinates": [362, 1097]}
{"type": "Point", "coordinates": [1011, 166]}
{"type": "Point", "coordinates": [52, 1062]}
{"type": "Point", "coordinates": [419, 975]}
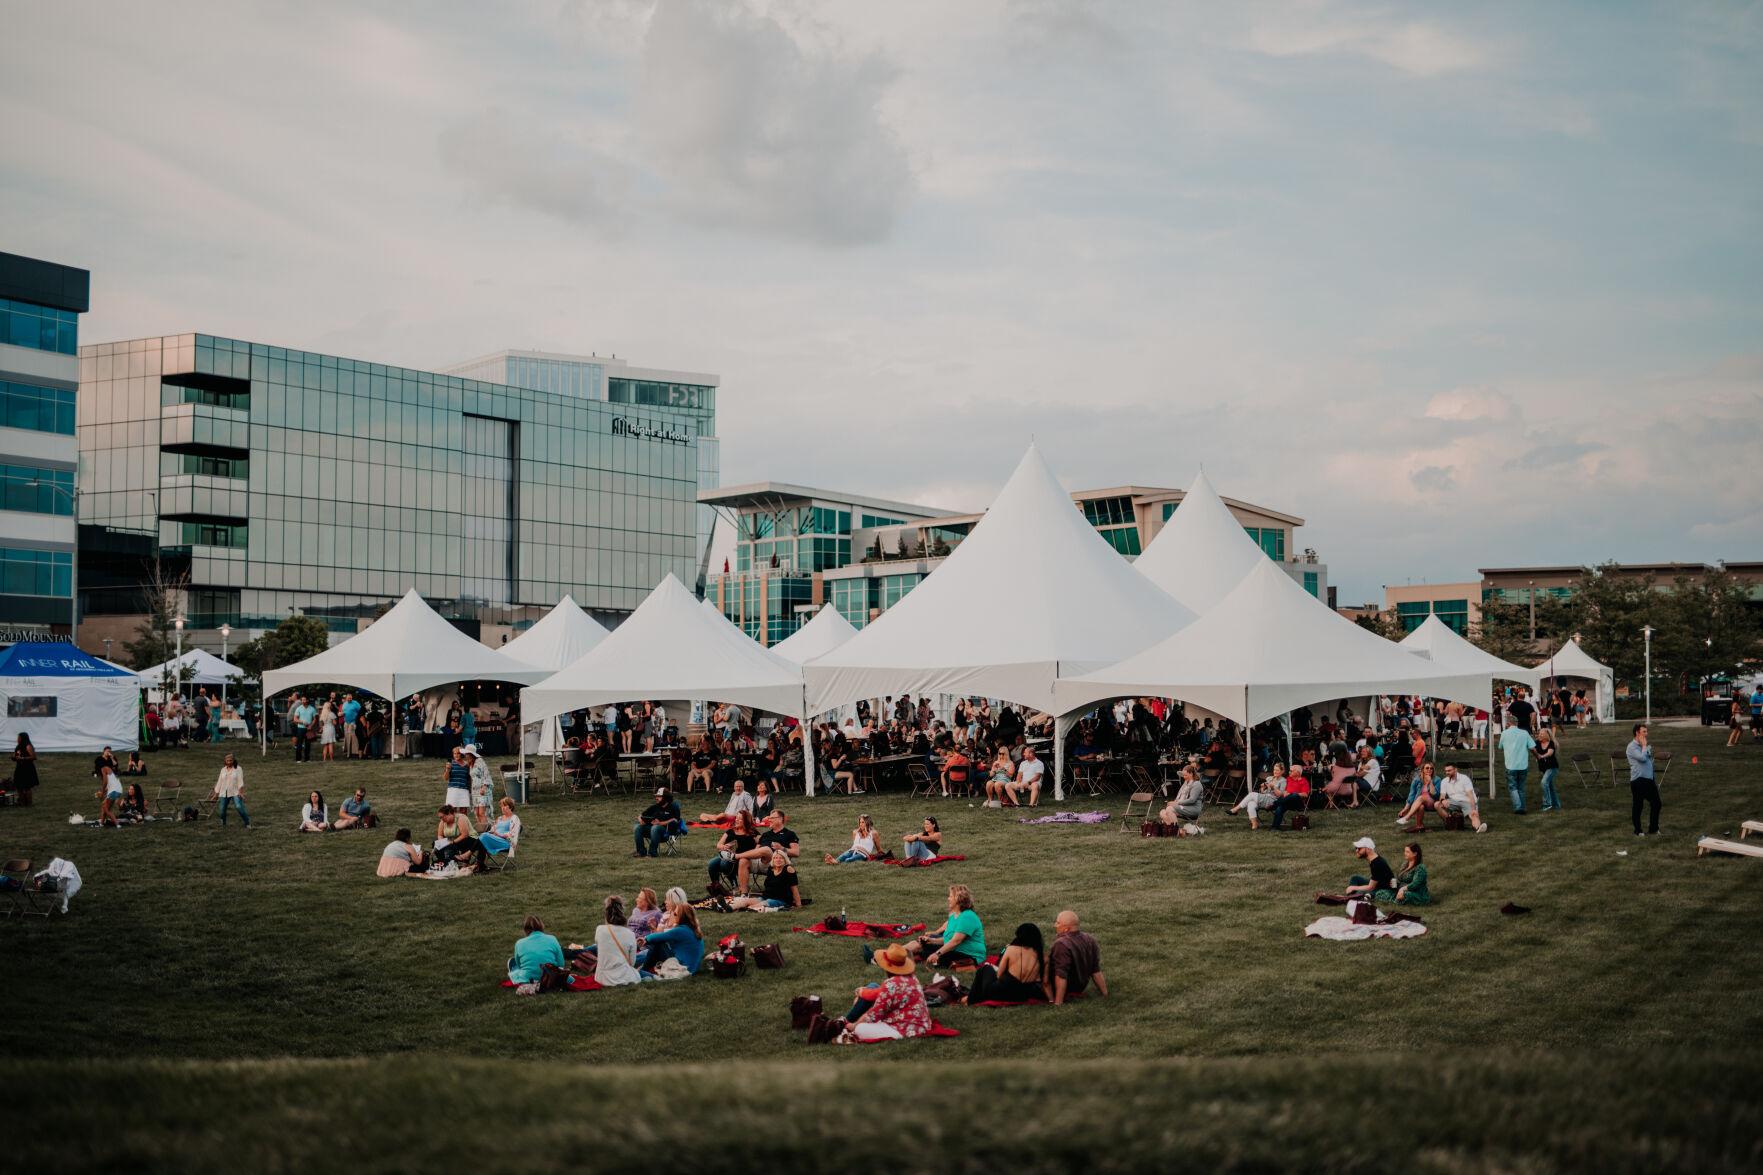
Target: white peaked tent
{"type": "Point", "coordinates": [205, 669]}
{"type": "Point", "coordinates": [1202, 552]}
{"type": "Point", "coordinates": [672, 646]}
{"type": "Point", "coordinates": [1266, 649]}
{"type": "Point", "coordinates": [406, 651]}
{"type": "Point", "coordinates": [563, 636]}
{"type": "Point", "coordinates": [1435, 641]}
{"type": "Point", "coordinates": [827, 631]}
{"type": "Point", "coordinates": [1573, 663]}
{"type": "Point", "coordinates": [1031, 595]}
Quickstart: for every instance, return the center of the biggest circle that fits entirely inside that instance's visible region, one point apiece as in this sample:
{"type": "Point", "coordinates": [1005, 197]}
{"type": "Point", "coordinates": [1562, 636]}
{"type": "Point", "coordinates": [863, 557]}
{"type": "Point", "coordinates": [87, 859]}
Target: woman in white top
{"type": "Point", "coordinates": [327, 721]}
{"type": "Point", "coordinates": [862, 844]}
{"type": "Point", "coordinates": [615, 948]}
{"type": "Point", "coordinates": [229, 790]}
{"type": "Point", "coordinates": [315, 816]}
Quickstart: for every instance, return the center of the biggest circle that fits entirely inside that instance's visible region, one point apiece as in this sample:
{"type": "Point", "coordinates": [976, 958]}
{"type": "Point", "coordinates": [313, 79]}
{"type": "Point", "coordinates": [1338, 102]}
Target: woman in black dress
{"type": "Point", "coordinates": [24, 768]}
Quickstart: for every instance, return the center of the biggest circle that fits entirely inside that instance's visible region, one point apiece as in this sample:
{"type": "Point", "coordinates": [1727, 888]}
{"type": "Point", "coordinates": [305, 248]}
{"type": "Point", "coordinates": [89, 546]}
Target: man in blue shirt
{"type": "Point", "coordinates": [351, 734]}
{"type": "Point", "coordinates": [1515, 748]}
{"type": "Point", "coordinates": [1757, 713]}
{"type": "Point", "coordinates": [301, 717]}
{"type": "Point", "coordinates": [1641, 785]}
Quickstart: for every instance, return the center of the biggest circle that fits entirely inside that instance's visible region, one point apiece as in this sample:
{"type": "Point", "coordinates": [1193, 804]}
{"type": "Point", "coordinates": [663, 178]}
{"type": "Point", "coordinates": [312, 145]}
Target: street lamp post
{"type": "Point", "coordinates": [177, 662]}
{"type": "Point", "coordinates": [1647, 632]}
{"type": "Point", "coordinates": [1532, 593]}
{"type": "Point", "coordinates": [226, 630]}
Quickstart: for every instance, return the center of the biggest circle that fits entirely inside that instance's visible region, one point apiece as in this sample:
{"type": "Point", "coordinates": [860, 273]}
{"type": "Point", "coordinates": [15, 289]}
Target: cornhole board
{"type": "Point", "coordinates": [1748, 827]}
{"type": "Point", "coordinates": [1738, 848]}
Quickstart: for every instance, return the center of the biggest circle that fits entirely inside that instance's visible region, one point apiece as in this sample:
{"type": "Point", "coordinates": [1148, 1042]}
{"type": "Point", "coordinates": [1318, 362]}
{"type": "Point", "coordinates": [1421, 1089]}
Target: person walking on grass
{"type": "Point", "coordinates": [1516, 745]}
{"type": "Point", "coordinates": [1642, 787]}
{"type": "Point", "coordinates": [229, 791]}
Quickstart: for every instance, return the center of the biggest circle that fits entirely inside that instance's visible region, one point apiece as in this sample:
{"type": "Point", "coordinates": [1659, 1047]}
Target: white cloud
{"type": "Point", "coordinates": [1472, 405]}
{"type": "Point", "coordinates": [1418, 48]}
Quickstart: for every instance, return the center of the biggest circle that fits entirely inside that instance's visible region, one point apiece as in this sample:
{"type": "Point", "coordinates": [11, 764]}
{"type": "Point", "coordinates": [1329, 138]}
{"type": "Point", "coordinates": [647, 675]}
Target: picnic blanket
{"type": "Point", "coordinates": [577, 982]}
{"type": "Point", "coordinates": [1066, 818]}
{"type": "Point", "coordinates": [1338, 929]}
{"type": "Point", "coordinates": [910, 861]}
{"type": "Point", "coordinates": [865, 929]}
{"type": "Point", "coordinates": [723, 824]}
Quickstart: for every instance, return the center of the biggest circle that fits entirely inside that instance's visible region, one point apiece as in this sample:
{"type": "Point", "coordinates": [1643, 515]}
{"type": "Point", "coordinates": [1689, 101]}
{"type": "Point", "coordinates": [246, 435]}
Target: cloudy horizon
{"type": "Point", "coordinates": [1462, 287]}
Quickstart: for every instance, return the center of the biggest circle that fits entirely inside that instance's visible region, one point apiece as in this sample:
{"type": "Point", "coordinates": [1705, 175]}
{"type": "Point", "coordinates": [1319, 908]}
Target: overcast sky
{"type": "Point", "coordinates": [1462, 285]}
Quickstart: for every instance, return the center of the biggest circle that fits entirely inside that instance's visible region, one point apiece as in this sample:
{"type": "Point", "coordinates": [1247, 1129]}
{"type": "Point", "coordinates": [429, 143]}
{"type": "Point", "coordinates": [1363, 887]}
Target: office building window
{"type": "Point", "coordinates": [1108, 511]}
{"type": "Point", "coordinates": [1271, 539]}
{"type": "Point", "coordinates": [1124, 539]}
{"type": "Point", "coordinates": [1168, 509]}
{"type": "Point", "coordinates": [42, 328]}
{"type": "Point", "coordinates": [35, 490]}
{"type": "Point", "coordinates": [36, 573]}
{"type": "Point", "coordinates": [1412, 615]}
{"type": "Point", "coordinates": [1454, 614]}
{"type": "Point", "coordinates": [204, 466]}
{"type": "Point", "coordinates": [212, 534]}
{"type": "Point", "coordinates": [1311, 582]}
{"type": "Point", "coordinates": [36, 408]}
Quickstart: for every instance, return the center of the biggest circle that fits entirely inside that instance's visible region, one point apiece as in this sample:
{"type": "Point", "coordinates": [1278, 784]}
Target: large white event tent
{"type": "Point", "coordinates": [672, 646]}
{"type": "Point", "coordinates": [204, 669]}
{"type": "Point", "coordinates": [1573, 663]}
{"type": "Point", "coordinates": [827, 631]}
{"type": "Point", "coordinates": [1031, 595]}
{"type": "Point", "coordinates": [561, 637]}
{"type": "Point", "coordinates": [408, 650]}
{"type": "Point", "coordinates": [1202, 552]}
{"type": "Point", "coordinates": [1266, 649]}
{"type": "Point", "coordinates": [1435, 641]}
{"type": "Point", "coordinates": [67, 700]}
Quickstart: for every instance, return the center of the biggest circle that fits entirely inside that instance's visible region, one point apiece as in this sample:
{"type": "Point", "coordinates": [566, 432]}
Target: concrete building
{"type": "Point", "coordinates": [1458, 605]}
{"type": "Point", "coordinates": [281, 480]}
{"type": "Point", "coordinates": [40, 305]}
{"type": "Point", "coordinates": [866, 554]}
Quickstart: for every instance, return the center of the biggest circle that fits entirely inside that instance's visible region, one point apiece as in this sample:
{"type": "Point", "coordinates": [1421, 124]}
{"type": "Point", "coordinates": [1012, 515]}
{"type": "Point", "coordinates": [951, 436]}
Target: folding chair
{"type": "Point", "coordinates": [1662, 760]}
{"type": "Point", "coordinates": [503, 862]}
{"type": "Point", "coordinates": [1584, 768]}
{"type": "Point", "coordinates": [15, 875]}
{"type": "Point", "coordinates": [923, 782]}
{"type": "Point", "coordinates": [1086, 778]}
{"type": "Point", "coordinates": [1618, 764]}
{"type": "Point", "coordinates": [169, 803]}
{"type": "Point", "coordinates": [1147, 798]}
{"type": "Point", "coordinates": [1171, 773]}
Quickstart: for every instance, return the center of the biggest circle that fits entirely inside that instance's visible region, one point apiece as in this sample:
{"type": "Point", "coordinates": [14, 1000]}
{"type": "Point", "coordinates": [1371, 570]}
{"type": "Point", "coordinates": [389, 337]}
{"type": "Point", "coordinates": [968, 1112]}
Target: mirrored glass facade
{"type": "Point", "coordinates": [286, 480]}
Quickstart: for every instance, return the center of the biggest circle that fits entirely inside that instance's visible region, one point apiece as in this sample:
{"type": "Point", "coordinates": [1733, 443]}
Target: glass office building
{"type": "Point", "coordinates": [282, 480]}
{"type": "Point", "coordinates": [40, 305]}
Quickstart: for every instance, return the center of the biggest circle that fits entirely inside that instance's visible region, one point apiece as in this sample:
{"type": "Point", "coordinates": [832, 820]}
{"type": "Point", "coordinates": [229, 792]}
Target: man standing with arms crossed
{"type": "Point", "coordinates": [1641, 784]}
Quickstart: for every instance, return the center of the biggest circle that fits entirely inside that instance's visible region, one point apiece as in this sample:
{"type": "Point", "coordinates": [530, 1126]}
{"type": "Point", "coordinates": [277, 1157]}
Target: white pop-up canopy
{"type": "Point", "coordinates": [670, 647]}
{"type": "Point", "coordinates": [563, 636]}
{"type": "Point", "coordinates": [67, 700]}
{"type": "Point", "coordinates": [1202, 552]}
{"type": "Point", "coordinates": [1033, 594]}
{"type": "Point", "coordinates": [1266, 649]}
{"type": "Point", "coordinates": [205, 669]}
{"type": "Point", "coordinates": [827, 631]}
{"type": "Point", "coordinates": [1573, 663]}
{"type": "Point", "coordinates": [1435, 641]}
{"type": "Point", "coordinates": [408, 650]}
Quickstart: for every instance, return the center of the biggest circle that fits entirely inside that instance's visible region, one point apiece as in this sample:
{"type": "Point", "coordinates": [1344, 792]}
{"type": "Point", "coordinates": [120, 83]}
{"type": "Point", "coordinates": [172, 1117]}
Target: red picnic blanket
{"type": "Point", "coordinates": [728, 823]}
{"type": "Point", "coordinates": [925, 860]}
{"type": "Point", "coordinates": [864, 929]}
{"type": "Point", "coordinates": [576, 983]}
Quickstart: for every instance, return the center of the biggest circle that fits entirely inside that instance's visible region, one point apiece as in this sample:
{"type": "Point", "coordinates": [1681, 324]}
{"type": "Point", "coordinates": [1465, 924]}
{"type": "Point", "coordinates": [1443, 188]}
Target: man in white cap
{"type": "Point", "coordinates": [1382, 876]}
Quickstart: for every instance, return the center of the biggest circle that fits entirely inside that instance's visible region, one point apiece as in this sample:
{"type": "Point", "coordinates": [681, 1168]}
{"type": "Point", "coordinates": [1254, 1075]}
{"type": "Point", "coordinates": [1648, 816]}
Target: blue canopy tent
{"type": "Point", "coordinates": [67, 700]}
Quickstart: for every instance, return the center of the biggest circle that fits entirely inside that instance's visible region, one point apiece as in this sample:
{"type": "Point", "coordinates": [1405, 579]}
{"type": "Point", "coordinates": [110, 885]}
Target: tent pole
{"type": "Point", "coordinates": [808, 766]}
{"type": "Point", "coordinates": [1288, 740]}
{"type": "Point", "coordinates": [1248, 747]}
{"type": "Point", "coordinates": [263, 731]}
{"type": "Point", "coordinates": [1493, 737]}
{"type": "Point", "coordinates": [1061, 727]}
{"type": "Point", "coordinates": [394, 726]}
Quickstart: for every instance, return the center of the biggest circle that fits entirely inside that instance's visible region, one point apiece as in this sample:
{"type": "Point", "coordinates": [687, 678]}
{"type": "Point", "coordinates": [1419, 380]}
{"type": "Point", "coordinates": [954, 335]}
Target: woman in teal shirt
{"type": "Point", "coordinates": [962, 940]}
{"type": "Point", "coordinates": [533, 952]}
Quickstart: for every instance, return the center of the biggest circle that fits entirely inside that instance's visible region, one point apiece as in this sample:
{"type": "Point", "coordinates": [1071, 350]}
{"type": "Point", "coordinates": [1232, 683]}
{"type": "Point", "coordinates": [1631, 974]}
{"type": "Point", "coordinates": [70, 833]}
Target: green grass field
{"type": "Point", "coordinates": [223, 1000]}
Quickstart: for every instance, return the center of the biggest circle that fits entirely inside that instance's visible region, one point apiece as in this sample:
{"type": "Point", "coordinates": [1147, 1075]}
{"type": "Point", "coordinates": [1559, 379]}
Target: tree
{"type": "Point", "coordinates": [155, 642]}
{"type": "Point", "coordinates": [1503, 630]}
{"type": "Point", "coordinates": [1384, 624]}
{"type": "Point", "coordinates": [905, 551]}
{"type": "Point", "coordinates": [294, 639]}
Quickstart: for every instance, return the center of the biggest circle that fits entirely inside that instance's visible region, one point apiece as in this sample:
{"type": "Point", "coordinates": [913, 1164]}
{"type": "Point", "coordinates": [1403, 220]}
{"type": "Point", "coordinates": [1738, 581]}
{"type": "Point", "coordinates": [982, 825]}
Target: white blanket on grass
{"type": "Point", "coordinates": [1338, 929]}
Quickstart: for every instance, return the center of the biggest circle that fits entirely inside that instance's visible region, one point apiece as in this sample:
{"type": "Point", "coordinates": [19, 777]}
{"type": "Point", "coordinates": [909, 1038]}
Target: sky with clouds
{"type": "Point", "coordinates": [1463, 285]}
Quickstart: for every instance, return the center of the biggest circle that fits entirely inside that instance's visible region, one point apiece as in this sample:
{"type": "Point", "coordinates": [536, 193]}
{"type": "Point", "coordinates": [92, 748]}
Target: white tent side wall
{"type": "Point", "coordinates": [90, 713]}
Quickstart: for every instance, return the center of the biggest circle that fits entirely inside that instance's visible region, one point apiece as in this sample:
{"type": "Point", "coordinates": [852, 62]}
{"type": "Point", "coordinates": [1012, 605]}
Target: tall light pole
{"type": "Point", "coordinates": [226, 630]}
{"type": "Point", "coordinates": [177, 662]}
{"type": "Point", "coordinates": [1532, 593]}
{"type": "Point", "coordinates": [1648, 633]}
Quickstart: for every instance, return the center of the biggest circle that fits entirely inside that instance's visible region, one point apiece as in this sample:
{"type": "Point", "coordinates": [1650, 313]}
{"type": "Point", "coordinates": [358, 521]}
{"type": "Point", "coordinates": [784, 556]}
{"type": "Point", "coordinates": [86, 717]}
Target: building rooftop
{"type": "Point", "coordinates": [1146, 493]}
{"type": "Point", "coordinates": [623, 366]}
{"type": "Point", "coordinates": [26, 279]}
{"type": "Point", "coordinates": [771, 494]}
{"type": "Point", "coordinates": [1701, 568]}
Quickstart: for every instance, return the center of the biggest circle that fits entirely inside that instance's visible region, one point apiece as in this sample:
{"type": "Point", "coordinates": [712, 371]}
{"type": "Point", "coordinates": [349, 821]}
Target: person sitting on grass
{"type": "Point", "coordinates": [135, 766]}
{"type": "Point", "coordinates": [656, 823]}
{"type": "Point", "coordinates": [134, 805]}
{"type": "Point", "coordinates": [1457, 797]}
{"type": "Point", "coordinates": [1423, 796]}
{"type": "Point", "coordinates": [729, 864]}
{"type": "Point", "coordinates": [315, 814]}
{"type": "Point", "coordinates": [531, 953]}
{"type": "Point", "coordinates": [1029, 774]}
{"type": "Point", "coordinates": [615, 948]}
{"type": "Point", "coordinates": [645, 913]}
{"type": "Point", "coordinates": [356, 812]}
{"type": "Point", "coordinates": [1382, 879]}
{"type": "Point", "coordinates": [775, 836]}
{"type": "Point", "coordinates": [1075, 961]}
{"type": "Point", "coordinates": [1021, 973]}
{"type": "Point", "coordinates": [782, 890]}
{"type": "Point", "coordinates": [455, 837]}
{"type": "Point", "coordinates": [504, 834]}
{"type": "Point", "coordinates": [961, 941]}
{"type": "Point", "coordinates": [678, 938]}
{"type": "Point", "coordinates": [893, 1009]}
{"type": "Point", "coordinates": [1411, 878]}
{"type": "Point", "coordinates": [862, 844]}
{"type": "Point", "coordinates": [926, 843]}
{"type": "Point", "coordinates": [739, 800]}
{"type": "Point", "coordinates": [401, 856]}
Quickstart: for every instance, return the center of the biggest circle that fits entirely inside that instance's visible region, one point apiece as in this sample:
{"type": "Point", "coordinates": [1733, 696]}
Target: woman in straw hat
{"type": "Point", "coordinates": [893, 1009]}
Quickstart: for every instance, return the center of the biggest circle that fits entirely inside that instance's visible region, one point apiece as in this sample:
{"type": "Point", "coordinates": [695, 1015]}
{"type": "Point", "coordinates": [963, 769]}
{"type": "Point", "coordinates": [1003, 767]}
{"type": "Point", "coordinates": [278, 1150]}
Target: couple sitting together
{"type": "Point", "coordinates": [1406, 886]}
{"type": "Point", "coordinates": [744, 851]}
{"type": "Point", "coordinates": [650, 943]}
{"type": "Point", "coordinates": [454, 838]}
{"type": "Point", "coordinates": [922, 845]}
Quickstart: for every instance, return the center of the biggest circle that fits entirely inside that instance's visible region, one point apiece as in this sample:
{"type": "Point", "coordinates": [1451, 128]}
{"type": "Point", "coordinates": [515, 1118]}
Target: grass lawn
{"type": "Point", "coordinates": [236, 1000]}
